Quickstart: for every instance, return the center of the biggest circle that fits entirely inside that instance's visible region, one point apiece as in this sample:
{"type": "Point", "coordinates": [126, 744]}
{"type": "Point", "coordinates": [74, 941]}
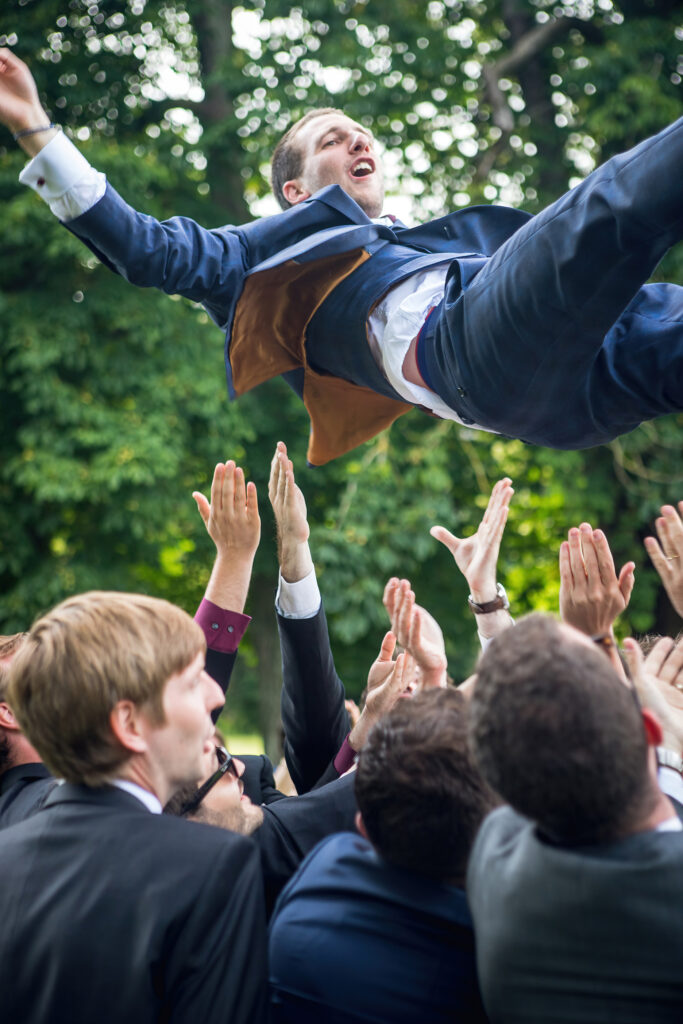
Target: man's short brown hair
{"type": "Point", "coordinates": [558, 734]}
{"type": "Point", "coordinates": [79, 660]}
{"type": "Point", "coordinates": [418, 789]}
{"type": "Point", "coordinates": [287, 160]}
{"type": "Point", "coordinates": [9, 645]}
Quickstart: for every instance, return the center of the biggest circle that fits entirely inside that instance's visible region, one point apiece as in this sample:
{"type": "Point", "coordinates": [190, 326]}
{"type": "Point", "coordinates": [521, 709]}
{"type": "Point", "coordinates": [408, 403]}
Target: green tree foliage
{"type": "Point", "coordinates": [113, 400]}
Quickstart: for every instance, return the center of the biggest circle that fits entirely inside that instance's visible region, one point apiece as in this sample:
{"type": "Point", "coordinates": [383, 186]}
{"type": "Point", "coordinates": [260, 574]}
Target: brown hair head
{"type": "Point", "coordinates": [79, 660]}
{"type": "Point", "coordinates": [420, 794]}
{"type": "Point", "coordinates": [558, 734]}
{"type": "Point", "coordinates": [287, 160]}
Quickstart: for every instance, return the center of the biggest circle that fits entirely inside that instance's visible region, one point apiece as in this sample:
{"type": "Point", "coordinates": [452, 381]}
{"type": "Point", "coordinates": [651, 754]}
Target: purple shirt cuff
{"type": "Point", "coordinates": [223, 629]}
{"type": "Point", "coordinates": [345, 758]}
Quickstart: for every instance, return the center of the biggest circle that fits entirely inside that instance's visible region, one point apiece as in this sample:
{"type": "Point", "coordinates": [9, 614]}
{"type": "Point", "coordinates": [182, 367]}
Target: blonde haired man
{"type": "Point", "coordinates": [113, 911]}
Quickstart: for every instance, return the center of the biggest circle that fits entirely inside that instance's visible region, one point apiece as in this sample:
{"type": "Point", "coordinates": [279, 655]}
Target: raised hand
{"type": "Point", "coordinates": [667, 555]}
{"type": "Point", "coordinates": [592, 596]}
{"type": "Point", "coordinates": [232, 518]}
{"type": "Point", "coordinates": [418, 632]}
{"type": "Point", "coordinates": [289, 508]}
{"type": "Point", "coordinates": [387, 681]}
{"type": "Point", "coordinates": [658, 680]}
{"type": "Point", "coordinates": [233, 523]}
{"type": "Point", "coordinates": [20, 107]}
{"type": "Point", "coordinates": [477, 556]}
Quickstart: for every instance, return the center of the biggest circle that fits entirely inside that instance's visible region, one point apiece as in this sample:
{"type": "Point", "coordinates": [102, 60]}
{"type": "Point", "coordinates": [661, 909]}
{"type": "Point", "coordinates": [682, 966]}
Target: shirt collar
{"type": "Point", "coordinates": [151, 802]}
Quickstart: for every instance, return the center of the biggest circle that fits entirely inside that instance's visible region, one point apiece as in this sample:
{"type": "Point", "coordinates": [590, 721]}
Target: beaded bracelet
{"type": "Point", "coordinates": [34, 131]}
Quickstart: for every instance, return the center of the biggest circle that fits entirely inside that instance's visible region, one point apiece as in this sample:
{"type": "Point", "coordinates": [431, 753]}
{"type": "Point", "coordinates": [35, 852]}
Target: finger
{"type": "Point", "coordinates": [672, 664]}
{"type": "Point", "coordinates": [590, 558]}
{"type": "Point", "coordinates": [274, 471]}
{"type": "Point", "coordinates": [281, 480]}
{"type": "Point", "coordinates": [500, 496]}
{"type": "Point", "coordinates": [252, 498]}
{"type": "Point", "coordinates": [626, 581]}
{"type": "Point", "coordinates": [445, 537]}
{"type": "Point", "coordinates": [228, 488]}
{"type": "Point", "coordinates": [386, 651]}
{"type": "Point", "coordinates": [404, 617]}
{"type": "Point", "coordinates": [389, 596]}
{"type": "Point", "coordinates": [657, 557]}
{"type": "Point", "coordinates": [566, 577]}
{"type": "Point", "coordinates": [492, 533]}
{"type": "Point", "coordinates": [202, 505]}
{"type": "Point", "coordinates": [658, 655]}
{"type": "Point", "coordinates": [575, 556]}
{"type": "Point", "coordinates": [668, 527]}
{"type": "Point", "coordinates": [604, 557]}
{"type": "Point", "coordinates": [216, 485]}
{"type": "Point", "coordinates": [239, 489]}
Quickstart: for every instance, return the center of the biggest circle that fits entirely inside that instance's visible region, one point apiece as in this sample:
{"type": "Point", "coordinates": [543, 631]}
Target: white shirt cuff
{"type": "Point", "coordinates": [62, 176]}
{"type": "Point", "coordinates": [300, 600]}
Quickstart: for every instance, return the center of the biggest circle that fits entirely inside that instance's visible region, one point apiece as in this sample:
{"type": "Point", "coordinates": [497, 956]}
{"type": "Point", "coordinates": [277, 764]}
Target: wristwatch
{"type": "Point", "coordinates": [669, 759]}
{"type": "Point", "coordinates": [499, 603]}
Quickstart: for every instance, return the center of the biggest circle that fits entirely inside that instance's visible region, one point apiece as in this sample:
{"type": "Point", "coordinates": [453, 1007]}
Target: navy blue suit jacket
{"type": "Point", "coordinates": [245, 277]}
{"type": "Point", "coordinates": [354, 939]}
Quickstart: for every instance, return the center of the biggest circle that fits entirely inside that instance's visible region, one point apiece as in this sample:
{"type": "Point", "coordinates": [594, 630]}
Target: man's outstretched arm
{"type": "Point", "coordinates": [177, 255]}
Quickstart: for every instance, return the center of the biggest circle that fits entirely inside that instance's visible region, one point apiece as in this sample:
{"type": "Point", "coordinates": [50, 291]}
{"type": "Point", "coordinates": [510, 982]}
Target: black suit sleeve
{"type": "Point", "coordinates": [293, 826]}
{"type": "Point", "coordinates": [219, 665]}
{"type": "Point", "coordinates": [313, 713]}
{"type": "Point", "coordinates": [220, 958]}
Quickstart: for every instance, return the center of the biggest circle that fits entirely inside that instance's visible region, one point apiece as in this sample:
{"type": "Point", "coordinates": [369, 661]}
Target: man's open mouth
{"type": "Point", "coordinates": [362, 169]}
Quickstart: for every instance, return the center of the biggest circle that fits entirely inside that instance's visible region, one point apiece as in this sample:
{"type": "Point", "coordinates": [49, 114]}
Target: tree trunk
{"type": "Point", "coordinates": [212, 20]}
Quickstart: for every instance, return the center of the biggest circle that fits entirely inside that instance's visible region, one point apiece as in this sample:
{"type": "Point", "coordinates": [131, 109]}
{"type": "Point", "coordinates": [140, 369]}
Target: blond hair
{"type": "Point", "coordinates": [80, 660]}
{"type": "Point", "coordinates": [9, 645]}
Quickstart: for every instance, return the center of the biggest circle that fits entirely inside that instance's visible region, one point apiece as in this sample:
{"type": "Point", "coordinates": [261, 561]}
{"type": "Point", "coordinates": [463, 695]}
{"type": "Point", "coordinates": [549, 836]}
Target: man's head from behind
{"type": "Point", "coordinates": [559, 735]}
{"type": "Point", "coordinates": [420, 796]}
{"type": "Point", "coordinates": [106, 676]}
{"type": "Point", "coordinates": [325, 147]}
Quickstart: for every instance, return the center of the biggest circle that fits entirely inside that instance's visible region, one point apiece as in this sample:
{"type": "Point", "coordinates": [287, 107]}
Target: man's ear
{"type": "Point", "coordinates": [125, 722]}
{"type": "Point", "coordinates": [653, 729]}
{"type": "Point", "coordinates": [294, 192]}
{"type": "Point", "coordinates": [7, 719]}
{"type": "Point", "coordinates": [360, 825]}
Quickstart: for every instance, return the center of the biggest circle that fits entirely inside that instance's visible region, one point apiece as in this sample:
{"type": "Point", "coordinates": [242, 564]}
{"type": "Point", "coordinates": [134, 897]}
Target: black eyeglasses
{"type": "Point", "coordinates": [226, 763]}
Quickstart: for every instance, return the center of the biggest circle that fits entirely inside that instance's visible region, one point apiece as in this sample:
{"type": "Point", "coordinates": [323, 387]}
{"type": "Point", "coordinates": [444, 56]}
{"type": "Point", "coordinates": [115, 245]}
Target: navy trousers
{"type": "Point", "coordinates": [557, 340]}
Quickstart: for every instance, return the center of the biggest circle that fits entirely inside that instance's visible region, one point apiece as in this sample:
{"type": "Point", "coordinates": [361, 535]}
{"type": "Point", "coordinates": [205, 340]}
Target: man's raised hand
{"type": "Point", "coordinates": [289, 508]}
{"type": "Point", "coordinates": [418, 632]}
{"type": "Point", "coordinates": [667, 555]}
{"type": "Point", "coordinates": [387, 680]}
{"type": "Point", "coordinates": [592, 596]}
{"type": "Point", "coordinates": [20, 107]}
{"type": "Point", "coordinates": [233, 523]}
{"type": "Point", "coordinates": [232, 518]}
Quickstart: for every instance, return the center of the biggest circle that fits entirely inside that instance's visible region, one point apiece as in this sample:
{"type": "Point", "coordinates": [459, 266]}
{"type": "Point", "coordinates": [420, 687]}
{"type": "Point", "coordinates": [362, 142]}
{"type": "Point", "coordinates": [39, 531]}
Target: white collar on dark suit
{"type": "Point", "coordinates": [151, 802]}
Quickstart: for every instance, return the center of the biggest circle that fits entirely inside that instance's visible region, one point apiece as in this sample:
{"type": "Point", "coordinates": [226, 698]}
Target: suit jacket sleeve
{"type": "Point", "coordinates": [227, 927]}
{"type": "Point", "coordinates": [293, 826]}
{"type": "Point", "coordinates": [313, 714]}
{"type": "Point", "coordinates": [177, 255]}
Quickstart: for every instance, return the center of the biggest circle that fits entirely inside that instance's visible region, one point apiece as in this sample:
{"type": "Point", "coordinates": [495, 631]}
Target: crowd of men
{"type": "Point", "coordinates": [506, 849]}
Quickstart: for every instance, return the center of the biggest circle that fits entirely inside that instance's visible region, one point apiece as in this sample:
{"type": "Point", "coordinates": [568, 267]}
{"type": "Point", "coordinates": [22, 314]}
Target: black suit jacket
{"type": "Point", "coordinates": [293, 826]}
{"type": "Point", "coordinates": [22, 791]}
{"type": "Point", "coordinates": [110, 913]}
{"type": "Point", "coordinates": [313, 714]}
